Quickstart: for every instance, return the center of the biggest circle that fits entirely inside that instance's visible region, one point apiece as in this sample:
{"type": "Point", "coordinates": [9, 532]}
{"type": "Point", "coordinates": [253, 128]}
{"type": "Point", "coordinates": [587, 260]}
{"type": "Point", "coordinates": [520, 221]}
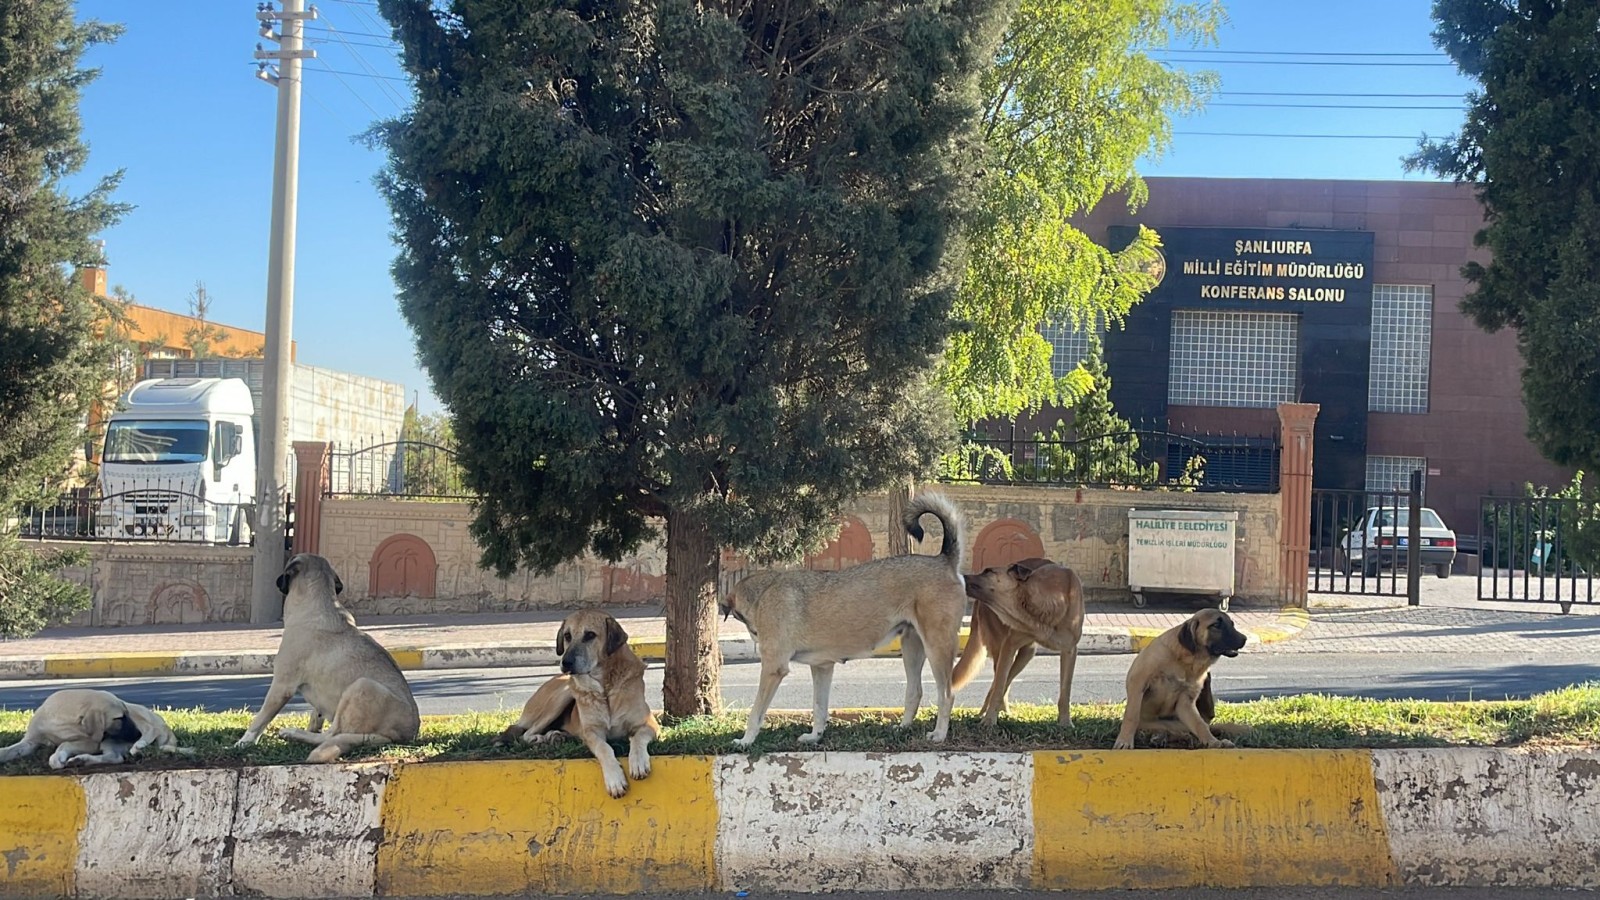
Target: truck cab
{"type": "Point", "coordinates": [180, 463]}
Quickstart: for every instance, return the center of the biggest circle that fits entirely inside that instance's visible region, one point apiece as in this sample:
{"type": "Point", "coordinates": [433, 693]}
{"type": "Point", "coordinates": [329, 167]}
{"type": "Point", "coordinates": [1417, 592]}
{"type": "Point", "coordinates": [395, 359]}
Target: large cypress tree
{"type": "Point", "coordinates": [54, 360]}
{"type": "Point", "coordinates": [682, 261]}
{"type": "Point", "coordinates": [1531, 144]}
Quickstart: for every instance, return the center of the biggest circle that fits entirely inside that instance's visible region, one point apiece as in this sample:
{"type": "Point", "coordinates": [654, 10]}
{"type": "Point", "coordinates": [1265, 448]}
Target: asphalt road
{"type": "Point", "coordinates": [880, 682]}
{"type": "Point", "coordinates": [1181, 894]}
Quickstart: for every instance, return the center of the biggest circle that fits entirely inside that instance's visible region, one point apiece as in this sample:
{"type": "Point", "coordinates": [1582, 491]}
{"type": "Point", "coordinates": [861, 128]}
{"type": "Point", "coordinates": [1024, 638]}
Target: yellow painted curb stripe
{"type": "Point", "coordinates": [1144, 637]}
{"type": "Point", "coordinates": [547, 826]}
{"type": "Point", "coordinates": [893, 647]}
{"type": "Point", "coordinates": [649, 649]}
{"type": "Point", "coordinates": [110, 664]}
{"type": "Point", "coordinates": [40, 817]}
{"type": "Point", "coordinates": [1207, 818]}
{"type": "Point", "coordinates": [407, 657]}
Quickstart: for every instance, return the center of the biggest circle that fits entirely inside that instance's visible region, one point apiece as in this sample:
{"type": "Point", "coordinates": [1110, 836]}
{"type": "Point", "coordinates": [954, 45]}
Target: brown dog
{"type": "Point", "coordinates": [598, 697]}
{"type": "Point", "coordinates": [1030, 602]}
{"type": "Point", "coordinates": [1169, 683]}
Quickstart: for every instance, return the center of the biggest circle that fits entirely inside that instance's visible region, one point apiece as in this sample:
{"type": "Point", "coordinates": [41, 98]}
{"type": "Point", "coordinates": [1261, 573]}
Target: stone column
{"type": "Point", "coordinates": [1296, 423]}
{"type": "Point", "coordinates": [310, 470]}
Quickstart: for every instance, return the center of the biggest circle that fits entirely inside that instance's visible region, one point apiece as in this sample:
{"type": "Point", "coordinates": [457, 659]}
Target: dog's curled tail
{"type": "Point", "coordinates": [950, 519]}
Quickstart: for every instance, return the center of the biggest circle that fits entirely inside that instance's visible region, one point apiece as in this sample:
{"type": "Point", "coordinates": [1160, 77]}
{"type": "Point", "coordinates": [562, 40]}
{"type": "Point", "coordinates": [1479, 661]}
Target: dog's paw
{"type": "Point", "coordinates": [616, 785]}
{"type": "Point", "coordinates": [743, 743]}
{"type": "Point", "coordinates": [58, 760]}
{"type": "Point", "coordinates": [638, 767]}
{"type": "Point", "coordinates": [1219, 745]}
{"type": "Point", "coordinates": [936, 736]}
{"type": "Point", "coordinates": [1123, 744]}
{"type": "Point", "coordinates": [1064, 722]}
{"type": "Point", "coordinates": [547, 737]}
{"type": "Point", "coordinates": [810, 737]}
{"type": "Point", "coordinates": [245, 741]}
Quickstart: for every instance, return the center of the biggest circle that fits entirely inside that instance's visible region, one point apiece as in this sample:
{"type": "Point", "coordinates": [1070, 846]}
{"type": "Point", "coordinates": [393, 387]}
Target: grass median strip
{"type": "Point", "coordinates": [1566, 717]}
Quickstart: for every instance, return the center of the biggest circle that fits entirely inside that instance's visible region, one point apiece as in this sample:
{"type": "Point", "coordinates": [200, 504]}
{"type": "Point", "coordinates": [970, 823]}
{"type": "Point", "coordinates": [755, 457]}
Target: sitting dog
{"type": "Point", "coordinates": [1169, 683]}
{"type": "Point", "coordinates": [1030, 602]}
{"type": "Point", "coordinates": [598, 697]}
{"type": "Point", "coordinates": [346, 676]}
{"type": "Point", "coordinates": [824, 618]}
{"type": "Point", "coordinates": [90, 727]}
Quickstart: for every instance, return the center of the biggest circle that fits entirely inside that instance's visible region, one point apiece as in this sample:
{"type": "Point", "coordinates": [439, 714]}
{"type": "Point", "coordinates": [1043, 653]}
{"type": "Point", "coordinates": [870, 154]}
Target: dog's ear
{"type": "Point", "coordinates": [1186, 636]}
{"type": "Point", "coordinates": [616, 638]}
{"type": "Point", "coordinates": [563, 638]}
{"type": "Point", "coordinates": [283, 584]}
{"type": "Point", "coordinates": [1021, 571]}
{"type": "Point", "coordinates": [93, 723]}
{"type": "Point", "coordinates": [338, 586]}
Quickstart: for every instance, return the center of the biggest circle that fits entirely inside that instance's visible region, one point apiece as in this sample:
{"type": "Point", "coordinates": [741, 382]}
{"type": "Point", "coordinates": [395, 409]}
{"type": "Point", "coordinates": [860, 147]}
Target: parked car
{"type": "Point", "coordinates": [1379, 539]}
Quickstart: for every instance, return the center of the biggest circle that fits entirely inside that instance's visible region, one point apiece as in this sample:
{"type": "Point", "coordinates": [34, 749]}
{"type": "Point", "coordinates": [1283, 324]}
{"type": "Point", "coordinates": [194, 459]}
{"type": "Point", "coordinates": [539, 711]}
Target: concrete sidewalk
{"type": "Point", "coordinates": [487, 640]}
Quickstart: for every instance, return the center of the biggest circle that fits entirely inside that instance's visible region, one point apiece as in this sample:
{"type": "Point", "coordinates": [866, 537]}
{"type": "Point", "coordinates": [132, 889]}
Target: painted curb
{"type": "Point", "coordinates": [923, 821]}
{"type": "Point", "coordinates": [1097, 639]}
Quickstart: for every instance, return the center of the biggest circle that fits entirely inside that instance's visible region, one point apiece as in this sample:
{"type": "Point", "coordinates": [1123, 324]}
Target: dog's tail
{"type": "Point", "coordinates": [18, 750]}
{"type": "Point", "coordinates": [950, 519]}
{"type": "Point", "coordinates": [977, 649]}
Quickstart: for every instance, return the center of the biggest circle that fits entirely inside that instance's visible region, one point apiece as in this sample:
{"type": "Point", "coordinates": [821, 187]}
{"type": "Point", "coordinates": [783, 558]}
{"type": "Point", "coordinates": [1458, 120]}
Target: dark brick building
{"type": "Point", "coordinates": [1341, 293]}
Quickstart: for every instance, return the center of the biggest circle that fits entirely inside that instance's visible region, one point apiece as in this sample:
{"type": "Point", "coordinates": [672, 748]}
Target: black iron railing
{"type": "Point", "coordinates": [1136, 458]}
{"type": "Point", "coordinates": [396, 469]}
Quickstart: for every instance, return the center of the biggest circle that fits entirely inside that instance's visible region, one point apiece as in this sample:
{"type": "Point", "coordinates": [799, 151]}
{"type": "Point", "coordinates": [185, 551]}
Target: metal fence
{"type": "Point", "coordinates": [1538, 549]}
{"type": "Point", "coordinates": [413, 469]}
{"type": "Point", "coordinates": [156, 511]}
{"type": "Point", "coordinates": [1342, 562]}
{"type": "Point", "coordinates": [1137, 458]}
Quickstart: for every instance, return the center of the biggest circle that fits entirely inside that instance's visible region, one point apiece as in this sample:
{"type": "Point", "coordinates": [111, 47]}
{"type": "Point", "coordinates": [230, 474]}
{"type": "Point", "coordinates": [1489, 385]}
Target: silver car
{"type": "Point", "coordinates": [1379, 539]}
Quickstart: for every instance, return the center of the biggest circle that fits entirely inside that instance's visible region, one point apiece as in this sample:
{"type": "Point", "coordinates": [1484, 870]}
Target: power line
{"type": "Point", "coordinates": [1307, 62]}
{"type": "Point", "coordinates": [364, 75]}
{"type": "Point", "coordinates": [1328, 106]}
{"type": "Point", "coordinates": [333, 40]}
{"type": "Point", "coordinates": [1294, 52]}
{"type": "Point", "coordinates": [1249, 134]}
{"type": "Point", "coordinates": [331, 30]}
{"type": "Point", "coordinates": [351, 89]}
{"type": "Point", "coordinates": [1335, 94]}
{"type": "Point", "coordinates": [393, 95]}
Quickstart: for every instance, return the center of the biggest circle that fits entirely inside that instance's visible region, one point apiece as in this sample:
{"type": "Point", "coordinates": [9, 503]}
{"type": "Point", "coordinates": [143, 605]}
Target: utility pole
{"type": "Point", "coordinates": [272, 473]}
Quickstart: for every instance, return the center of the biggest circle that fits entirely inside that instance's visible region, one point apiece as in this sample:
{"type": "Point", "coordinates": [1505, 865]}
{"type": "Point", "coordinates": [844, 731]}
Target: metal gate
{"type": "Point", "coordinates": [1362, 542]}
{"type": "Point", "coordinates": [1538, 549]}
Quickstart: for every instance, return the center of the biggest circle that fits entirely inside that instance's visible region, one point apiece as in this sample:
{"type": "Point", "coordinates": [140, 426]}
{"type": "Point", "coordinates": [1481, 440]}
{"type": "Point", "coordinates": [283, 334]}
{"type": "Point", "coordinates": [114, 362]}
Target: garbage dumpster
{"type": "Point", "coordinates": [1181, 551]}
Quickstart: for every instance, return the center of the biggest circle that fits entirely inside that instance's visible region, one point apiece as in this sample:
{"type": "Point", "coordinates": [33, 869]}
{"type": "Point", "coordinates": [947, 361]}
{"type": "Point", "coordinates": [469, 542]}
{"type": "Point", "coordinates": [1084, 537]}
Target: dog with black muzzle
{"type": "Point", "coordinates": [1169, 683]}
{"type": "Point", "coordinates": [598, 697]}
{"type": "Point", "coordinates": [346, 676]}
{"type": "Point", "coordinates": [89, 727]}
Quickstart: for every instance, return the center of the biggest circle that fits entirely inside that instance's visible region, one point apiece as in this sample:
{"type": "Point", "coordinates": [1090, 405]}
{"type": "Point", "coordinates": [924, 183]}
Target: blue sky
{"type": "Point", "coordinates": [179, 109]}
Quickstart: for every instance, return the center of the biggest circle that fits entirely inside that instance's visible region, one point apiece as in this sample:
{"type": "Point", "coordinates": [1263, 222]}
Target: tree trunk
{"type": "Point", "coordinates": [899, 541]}
{"type": "Point", "coordinates": [693, 681]}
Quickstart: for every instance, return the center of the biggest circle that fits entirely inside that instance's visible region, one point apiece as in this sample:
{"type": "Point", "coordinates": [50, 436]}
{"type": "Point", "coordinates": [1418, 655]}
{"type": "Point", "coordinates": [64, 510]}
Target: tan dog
{"type": "Point", "coordinates": [598, 697]}
{"type": "Point", "coordinates": [1169, 683]}
{"type": "Point", "coordinates": [346, 676]}
{"type": "Point", "coordinates": [824, 618]}
{"type": "Point", "coordinates": [90, 727]}
{"type": "Point", "coordinates": [1030, 602]}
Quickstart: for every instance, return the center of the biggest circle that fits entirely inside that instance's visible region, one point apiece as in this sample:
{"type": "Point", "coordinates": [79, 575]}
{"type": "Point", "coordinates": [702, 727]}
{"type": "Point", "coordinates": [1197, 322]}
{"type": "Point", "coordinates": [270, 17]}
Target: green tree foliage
{"type": "Point", "coordinates": [428, 457]}
{"type": "Point", "coordinates": [1102, 448]}
{"type": "Point", "coordinates": [54, 359]}
{"type": "Point", "coordinates": [203, 333]}
{"type": "Point", "coordinates": [685, 261]}
{"type": "Point", "coordinates": [1531, 144]}
{"type": "Point", "coordinates": [1072, 102]}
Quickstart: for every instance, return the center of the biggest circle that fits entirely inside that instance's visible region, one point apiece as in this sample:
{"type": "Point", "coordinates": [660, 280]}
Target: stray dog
{"type": "Point", "coordinates": [1030, 602]}
{"type": "Point", "coordinates": [346, 676]}
{"type": "Point", "coordinates": [92, 728]}
{"type": "Point", "coordinates": [1169, 683]}
{"type": "Point", "coordinates": [823, 618]}
{"type": "Point", "coordinates": [599, 696]}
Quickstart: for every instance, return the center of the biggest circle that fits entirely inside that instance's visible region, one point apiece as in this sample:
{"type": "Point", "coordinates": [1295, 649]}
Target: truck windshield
{"type": "Point", "coordinates": [156, 442]}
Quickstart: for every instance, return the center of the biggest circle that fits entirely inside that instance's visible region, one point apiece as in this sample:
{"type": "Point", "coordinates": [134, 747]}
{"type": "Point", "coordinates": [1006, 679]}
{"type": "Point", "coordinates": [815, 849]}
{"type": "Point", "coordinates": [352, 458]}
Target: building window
{"type": "Point", "coordinates": [1233, 358]}
{"type": "Point", "coordinates": [1387, 474]}
{"type": "Point", "coordinates": [1402, 340]}
{"type": "Point", "coordinates": [1069, 347]}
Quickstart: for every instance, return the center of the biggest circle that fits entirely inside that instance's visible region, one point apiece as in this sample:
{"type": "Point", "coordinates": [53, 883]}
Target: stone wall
{"type": "Point", "coordinates": [400, 557]}
{"type": "Point", "coordinates": [161, 584]}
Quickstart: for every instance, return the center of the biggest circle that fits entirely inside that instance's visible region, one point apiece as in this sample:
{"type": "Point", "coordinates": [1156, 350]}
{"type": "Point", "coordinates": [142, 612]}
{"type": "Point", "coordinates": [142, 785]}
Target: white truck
{"type": "Point", "coordinates": [180, 455]}
{"type": "Point", "coordinates": [180, 462]}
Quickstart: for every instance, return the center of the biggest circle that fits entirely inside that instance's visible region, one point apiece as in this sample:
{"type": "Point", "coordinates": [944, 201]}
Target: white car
{"type": "Point", "coordinates": [1379, 539]}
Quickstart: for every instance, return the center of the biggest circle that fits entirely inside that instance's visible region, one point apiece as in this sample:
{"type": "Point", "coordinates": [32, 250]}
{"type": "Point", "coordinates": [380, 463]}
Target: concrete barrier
{"type": "Point", "coordinates": [816, 822]}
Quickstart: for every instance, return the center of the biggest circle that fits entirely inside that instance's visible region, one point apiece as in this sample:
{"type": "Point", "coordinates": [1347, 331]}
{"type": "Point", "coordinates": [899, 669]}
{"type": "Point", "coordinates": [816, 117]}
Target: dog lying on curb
{"type": "Point", "coordinates": [824, 618]}
{"type": "Point", "coordinates": [346, 676]}
{"type": "Point", "coordinates": [1169, 683]}
{"type": "Point", "coordinates": [598, 697]}
{"type": "Point", "coordinates": [1028, 603]}
{"type": "Point", "coordinates": [89, 727]}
